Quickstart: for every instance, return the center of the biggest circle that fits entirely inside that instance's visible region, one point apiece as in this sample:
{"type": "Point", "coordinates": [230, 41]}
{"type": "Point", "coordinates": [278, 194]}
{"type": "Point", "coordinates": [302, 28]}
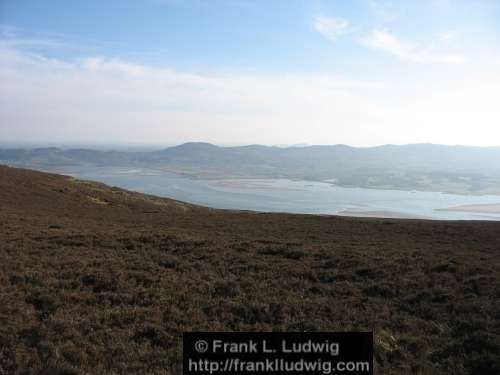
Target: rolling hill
{"type": "Point", "coordinates": [96, 279]}
{"type": "Point", "coordinates": [425, 167]}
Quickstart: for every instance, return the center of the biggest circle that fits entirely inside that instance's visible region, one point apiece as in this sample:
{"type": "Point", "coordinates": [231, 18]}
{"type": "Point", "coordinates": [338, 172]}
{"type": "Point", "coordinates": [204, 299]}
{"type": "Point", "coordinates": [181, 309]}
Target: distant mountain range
{"type": "Point", "coordinates": [428, 167]}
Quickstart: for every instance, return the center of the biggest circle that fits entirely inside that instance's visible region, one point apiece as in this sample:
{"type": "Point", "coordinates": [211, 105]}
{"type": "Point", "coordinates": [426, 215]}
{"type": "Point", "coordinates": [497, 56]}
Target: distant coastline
{"type": "Point", "coordinates": [382, 214]}
{"type": "Point", "coordinates": [415, 167]}
{"type": "Point", "coordinates": [476, 208]}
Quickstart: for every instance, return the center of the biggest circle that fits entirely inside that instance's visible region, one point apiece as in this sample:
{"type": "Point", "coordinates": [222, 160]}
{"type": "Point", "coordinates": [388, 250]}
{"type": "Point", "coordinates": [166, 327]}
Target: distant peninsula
{"type": "Point", "coordinates": [423, 167]}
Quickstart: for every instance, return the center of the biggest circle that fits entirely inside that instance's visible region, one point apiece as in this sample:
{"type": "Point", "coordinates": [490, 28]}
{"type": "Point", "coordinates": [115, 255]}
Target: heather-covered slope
{"type": "Point", "coordinates": [100, 280]}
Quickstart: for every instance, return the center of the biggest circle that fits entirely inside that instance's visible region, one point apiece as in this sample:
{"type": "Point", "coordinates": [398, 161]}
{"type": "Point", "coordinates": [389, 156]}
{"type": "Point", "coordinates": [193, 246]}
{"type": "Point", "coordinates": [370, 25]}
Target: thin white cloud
{"type": "Point", "coordinates": [110, 99]}
{"type": "Point", "coordinates": [382, 40]}
{"type": "Point", "coordinates": [446, 36]}
{"type": "Point", "coordinates": [241, 4]}
{"type": "Point", "coordinates": [442, 4]}
{"type": "Point", "coordinates": [331, 28]}
{"type": "Point", "coordinates": [35, 44]}
{"type": "Point", "coordinates": [11, 37]}
{"type": "Point", "coordinates": [382, 12]}
{"type": "Point", "coordinates": [8, 31]}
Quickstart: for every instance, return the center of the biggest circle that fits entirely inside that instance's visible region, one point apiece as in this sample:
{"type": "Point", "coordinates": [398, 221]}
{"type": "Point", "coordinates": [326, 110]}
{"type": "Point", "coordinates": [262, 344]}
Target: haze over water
{"type": "Point", "coordinates": [280, 195]}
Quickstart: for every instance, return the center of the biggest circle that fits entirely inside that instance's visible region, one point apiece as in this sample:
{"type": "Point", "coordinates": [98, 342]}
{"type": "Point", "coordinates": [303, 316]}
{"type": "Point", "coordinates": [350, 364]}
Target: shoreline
{"type": "Point", "coordinates": [381, 214]}
{"type": "Point", "coordinates": [492, 208]}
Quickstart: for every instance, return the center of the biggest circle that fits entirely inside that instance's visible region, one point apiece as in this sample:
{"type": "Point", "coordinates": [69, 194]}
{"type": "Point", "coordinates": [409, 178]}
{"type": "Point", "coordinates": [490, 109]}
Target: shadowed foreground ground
{"type": "Point", "coordinates": [96, 280]}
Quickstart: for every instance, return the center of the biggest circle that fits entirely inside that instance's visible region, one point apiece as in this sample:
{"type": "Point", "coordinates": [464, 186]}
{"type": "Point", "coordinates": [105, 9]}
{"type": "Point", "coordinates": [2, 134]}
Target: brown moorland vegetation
{"type": "Point", "coordinates": [97, 280]}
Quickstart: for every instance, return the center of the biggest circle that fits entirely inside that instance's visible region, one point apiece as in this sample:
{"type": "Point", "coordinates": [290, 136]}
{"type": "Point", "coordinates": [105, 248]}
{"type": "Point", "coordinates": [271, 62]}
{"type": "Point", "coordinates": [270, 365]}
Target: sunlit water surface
{"type": "Point", "coordinates": [280, 195]}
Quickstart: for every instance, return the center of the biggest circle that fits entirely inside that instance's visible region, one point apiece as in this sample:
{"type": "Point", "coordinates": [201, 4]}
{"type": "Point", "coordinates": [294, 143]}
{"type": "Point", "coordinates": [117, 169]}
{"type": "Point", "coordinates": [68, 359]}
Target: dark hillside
{"type": "Point", "coordinates": [99, 280]}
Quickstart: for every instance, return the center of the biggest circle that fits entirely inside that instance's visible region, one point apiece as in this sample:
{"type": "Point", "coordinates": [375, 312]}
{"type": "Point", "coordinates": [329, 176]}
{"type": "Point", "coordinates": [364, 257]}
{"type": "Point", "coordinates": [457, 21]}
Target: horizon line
{"type": "Point", "coordinates": [150, 146]}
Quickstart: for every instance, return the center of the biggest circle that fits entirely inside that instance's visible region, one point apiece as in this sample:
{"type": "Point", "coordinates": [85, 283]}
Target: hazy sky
{"type": "Point", "coordinates": [359, 72]}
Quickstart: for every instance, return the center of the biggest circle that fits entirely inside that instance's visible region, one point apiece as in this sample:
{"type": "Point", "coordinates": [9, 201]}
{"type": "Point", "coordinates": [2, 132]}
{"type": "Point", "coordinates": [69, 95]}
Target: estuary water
{"type": "Point", "coordinates": [280, 195]}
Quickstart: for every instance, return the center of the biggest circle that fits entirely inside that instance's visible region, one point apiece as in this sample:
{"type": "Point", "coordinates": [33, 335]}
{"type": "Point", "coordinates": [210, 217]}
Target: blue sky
{"type": "Point", "coordinates": [361, 72]}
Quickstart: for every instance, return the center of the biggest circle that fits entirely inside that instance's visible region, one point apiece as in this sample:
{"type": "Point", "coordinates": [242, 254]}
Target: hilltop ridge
{"type": "Point", "coordinates": [423, 167]}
